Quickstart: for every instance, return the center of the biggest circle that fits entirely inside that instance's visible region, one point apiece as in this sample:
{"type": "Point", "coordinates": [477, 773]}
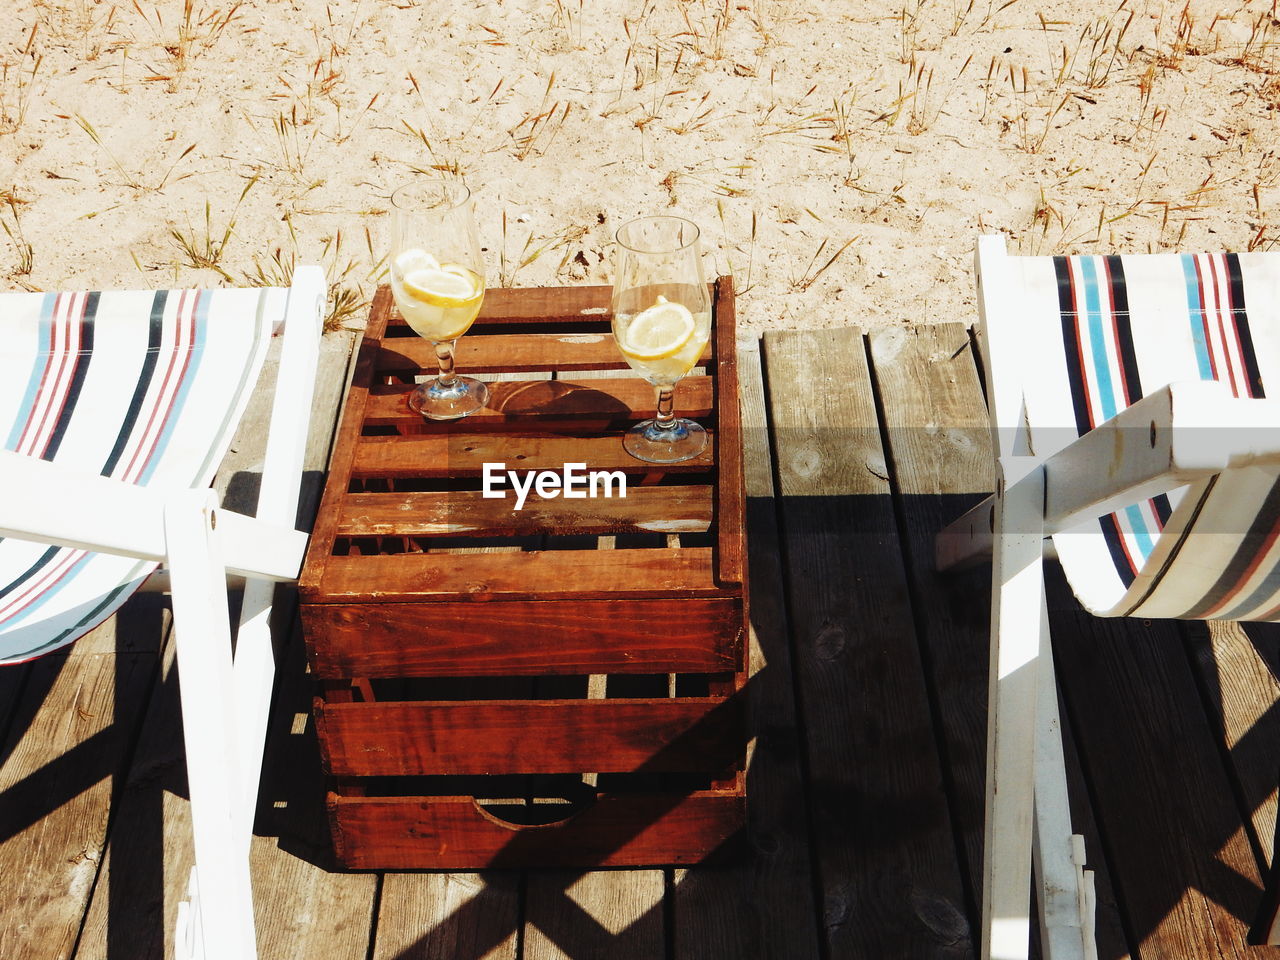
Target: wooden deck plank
{"type": "Point", "coordinates": [71, 739]}
{"type": "Point", "coordinates": [891, 883]}
{"type": "Point", "coordinates": [599, 913]}
{"type": "Point", "coordinates": [448, 916]}
{"type": "Point", "coordinates": [1180, 860]}
{"type": "Point", "coordinates": [938, 440]}
{"type": "Point", "coordinates": [761, 905]}
{"type": "Point", "coordinates": [12, 680]}
{"type": "Point", "coordinates": [1235, 661]}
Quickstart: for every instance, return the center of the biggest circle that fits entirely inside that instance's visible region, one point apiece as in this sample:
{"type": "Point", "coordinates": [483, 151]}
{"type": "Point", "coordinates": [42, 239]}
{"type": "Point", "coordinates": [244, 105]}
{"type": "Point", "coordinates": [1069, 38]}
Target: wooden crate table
{"type": "Point", "coordinates": [560, 685]}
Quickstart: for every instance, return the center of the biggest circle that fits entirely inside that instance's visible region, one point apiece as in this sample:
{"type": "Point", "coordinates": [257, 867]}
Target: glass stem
{"type": "Point", "coordinates": [444, 355]}
{"type": "Point", "coordinates": [666, 406]}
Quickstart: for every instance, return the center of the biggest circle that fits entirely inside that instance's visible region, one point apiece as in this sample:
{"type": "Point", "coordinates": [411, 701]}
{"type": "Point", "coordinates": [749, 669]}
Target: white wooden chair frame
{"type": "Point", "coordinates": [225, 701]}
{"type": "Point", "coordinates": [1181, 433]}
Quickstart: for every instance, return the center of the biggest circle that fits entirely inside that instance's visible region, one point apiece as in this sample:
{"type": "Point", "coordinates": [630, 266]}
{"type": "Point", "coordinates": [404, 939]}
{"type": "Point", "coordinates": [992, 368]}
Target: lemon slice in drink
{"type": "Point", "coordinates": [442, 286]}
{"type": "Point", "coordinates": [415, 259]}
{"type": "Point", "coordinates": [658, 332]}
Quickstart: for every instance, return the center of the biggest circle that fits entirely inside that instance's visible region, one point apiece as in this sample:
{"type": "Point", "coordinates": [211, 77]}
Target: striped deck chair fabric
{"type": "Point", "coordinates": [144, 387]}
{"type": "Point", "coordinates": [1097, 334]}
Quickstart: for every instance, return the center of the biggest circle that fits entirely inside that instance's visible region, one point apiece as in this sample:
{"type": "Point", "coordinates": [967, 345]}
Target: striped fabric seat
{"type": "Point", "coordinates": [145, 387]}
{"type": "Point", "coordinates": [1100, 332]}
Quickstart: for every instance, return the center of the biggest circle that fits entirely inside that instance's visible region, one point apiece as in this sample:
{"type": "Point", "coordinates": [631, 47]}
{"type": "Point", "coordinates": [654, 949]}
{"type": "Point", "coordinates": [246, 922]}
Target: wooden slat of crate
{"type": "Point", "coordinates": [510, 353]}
{"type": "Point", "coordinates": [454, 833]}
{"type": "Point", "coordinates": [462, 454]}
{"type": "Point", "coordinates": [676, 509]}
{"type": "Point", "coordinates": [476, 640]}
{"type": "Point", "coordinates": [561, 402]}
{"type": "Point", "coordinates": [349, 429]}
{"type": "Point", "coordinates": [546, 574]}
{"type": "Point", "coordinates": [546, 305]}
{"type": "Point", "coordinates": [728, 444]}
{"type": "Point", "coordinates": [492, 737]}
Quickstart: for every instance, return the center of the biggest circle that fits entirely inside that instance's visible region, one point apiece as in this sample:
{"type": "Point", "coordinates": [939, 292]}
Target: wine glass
{"type": "Point", "coordinates": [437, 279]}
{"type": "Point", "coordinates": [661, 322]}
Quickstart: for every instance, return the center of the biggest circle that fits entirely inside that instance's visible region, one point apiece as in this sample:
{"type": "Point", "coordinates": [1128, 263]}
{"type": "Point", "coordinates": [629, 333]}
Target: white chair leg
{"type": "Point", "coordinates": [188, 938]}
{"type": "Point", "coordinates": [253, 677]}
{"type": "Point", "coordinates": [1066, 909]}
{"type": "Point", "coordinates": [221, 915]}
{"type": "Point", "coordinates": [1016, 604]}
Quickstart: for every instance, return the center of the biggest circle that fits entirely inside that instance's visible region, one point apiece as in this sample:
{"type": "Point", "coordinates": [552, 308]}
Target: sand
{"type": "Point", "coordinates": [839, 156]}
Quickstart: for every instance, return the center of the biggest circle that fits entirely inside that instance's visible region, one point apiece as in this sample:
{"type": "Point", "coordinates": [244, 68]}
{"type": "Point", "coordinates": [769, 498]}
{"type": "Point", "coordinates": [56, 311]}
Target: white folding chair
{"type": "Point", "coordinates": [118, 408]}
{"type": "Point", "coordinates": [1134, 439]}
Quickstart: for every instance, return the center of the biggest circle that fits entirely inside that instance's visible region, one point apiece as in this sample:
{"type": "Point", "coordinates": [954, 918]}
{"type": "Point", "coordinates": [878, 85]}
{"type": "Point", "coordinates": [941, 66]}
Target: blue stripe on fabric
{"type": "Point", "coordinates": [1100, 335]}
{"type": "Point", "coordinates": [184, 388]}
{"type": "Point", "coordinates": [1098, 338]}
{"type": "Point", "coordinates": [1196, 316]}
{"type": "Point", "coordinates": [23, 413]}
{"type": "Point", "coordinates": [1138, 524]}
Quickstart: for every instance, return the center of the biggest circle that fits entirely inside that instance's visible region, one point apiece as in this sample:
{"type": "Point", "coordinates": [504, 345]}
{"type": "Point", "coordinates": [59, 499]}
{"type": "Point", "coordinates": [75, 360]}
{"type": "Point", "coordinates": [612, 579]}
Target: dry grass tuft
{"type": "Point", "coordinates": [812, 271]}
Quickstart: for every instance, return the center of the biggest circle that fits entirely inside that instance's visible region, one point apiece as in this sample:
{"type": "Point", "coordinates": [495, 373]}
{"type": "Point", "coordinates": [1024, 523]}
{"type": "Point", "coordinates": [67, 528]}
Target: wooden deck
{"type": "Point", "coordinates": [866, 779]}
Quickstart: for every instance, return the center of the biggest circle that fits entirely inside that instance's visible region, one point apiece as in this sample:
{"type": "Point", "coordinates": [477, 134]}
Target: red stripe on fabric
{"type": "Point", "coordinates": [51, 358]}
{"type": "Point", "coordinates": [1204, 318]}
{"type": "Point", "coordinates": [1230, 595]}
{"type": "Point", "coordinates": [1124, 545]}
{"type": "Point", "coordinates": [1222, 329]}
{"type": "Point", "coordinates": [1235, 332]}
{"type": "Point", "coordinates": [61, 380]}
{"type": "Point", "coordinates": [129, 474]}
{"type": "Point", "coordinates": [1084, 370]}
{"type": "Point", "coordinates": [38, 588]}
{"type": "Point", "coordinates": [182, 374]}
{"type": "Point", "coordinates": [74, 321]}
{"type": "Point", "coordinates": [1115, 332]}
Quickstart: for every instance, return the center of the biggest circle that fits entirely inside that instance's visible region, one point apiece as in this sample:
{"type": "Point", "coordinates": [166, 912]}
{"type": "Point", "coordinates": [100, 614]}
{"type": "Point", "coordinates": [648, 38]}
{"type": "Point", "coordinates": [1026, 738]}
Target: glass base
{"type": "Point", "coordinates": [681, 440]}
{"type": "Point", "coordinates": [436, 401]}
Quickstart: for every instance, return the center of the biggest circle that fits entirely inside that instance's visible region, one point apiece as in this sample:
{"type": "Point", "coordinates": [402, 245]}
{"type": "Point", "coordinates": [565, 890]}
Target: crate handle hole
{"type": "Point", "coordinates": [533, 814]}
